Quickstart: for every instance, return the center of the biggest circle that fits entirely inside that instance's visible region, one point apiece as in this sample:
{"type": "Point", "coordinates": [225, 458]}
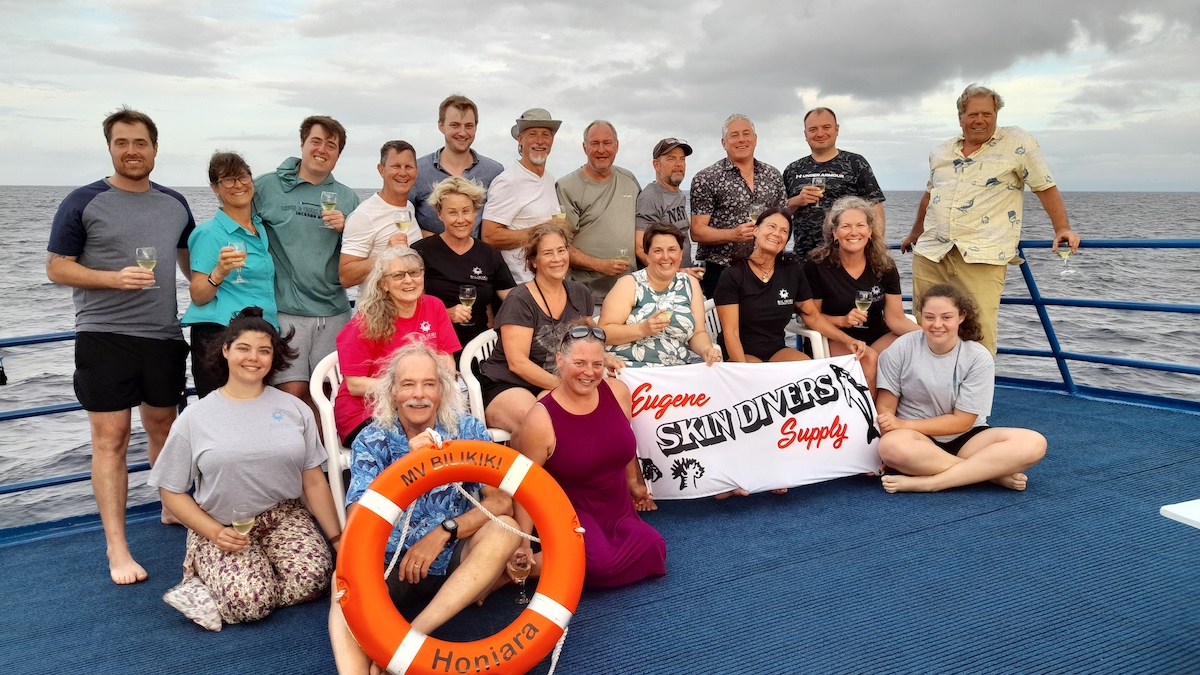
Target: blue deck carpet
{"type": "Point", "coordinates": [1077, 574]}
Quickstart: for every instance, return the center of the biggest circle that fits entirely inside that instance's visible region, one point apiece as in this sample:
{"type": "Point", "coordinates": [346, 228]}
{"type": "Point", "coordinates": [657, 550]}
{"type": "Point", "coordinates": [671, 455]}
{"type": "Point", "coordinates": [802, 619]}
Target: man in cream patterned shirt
{"type": "Point", "coordinates": [969, 221]}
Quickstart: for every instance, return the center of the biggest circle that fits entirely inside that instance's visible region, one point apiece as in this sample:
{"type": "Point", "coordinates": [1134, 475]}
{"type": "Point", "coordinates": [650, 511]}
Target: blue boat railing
{"type": "Point", "coordinates": [1036, 299]}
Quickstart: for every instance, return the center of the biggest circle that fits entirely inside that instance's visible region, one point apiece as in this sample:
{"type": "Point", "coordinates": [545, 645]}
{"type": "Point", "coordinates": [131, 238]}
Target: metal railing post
{"type": "Point", "coordinates": [1047, 325]}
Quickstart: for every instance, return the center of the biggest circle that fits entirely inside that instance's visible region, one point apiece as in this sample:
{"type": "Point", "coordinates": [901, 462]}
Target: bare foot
{"type": "Point", "coordinates": [1016, 481]}
{"type": "Point", "coordinates": [779, 491]}
{"type": "Point", "coordinates": [899, 483]}
{"type": "Point", "coordinates": [733, 493]}
{"type": "Point", "coordinates": [169, 518]}
{"type": "Point", "coordinates": [125, 570]}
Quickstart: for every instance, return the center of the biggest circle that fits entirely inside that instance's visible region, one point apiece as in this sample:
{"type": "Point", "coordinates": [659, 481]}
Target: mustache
{"type": "Point", "coordinates": [417, 402]}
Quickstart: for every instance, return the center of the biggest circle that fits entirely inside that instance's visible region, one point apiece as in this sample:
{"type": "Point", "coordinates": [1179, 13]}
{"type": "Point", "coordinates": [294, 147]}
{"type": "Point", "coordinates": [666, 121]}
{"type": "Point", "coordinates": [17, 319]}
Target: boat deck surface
{"type": "Point", "coordinates": [1079, 573]}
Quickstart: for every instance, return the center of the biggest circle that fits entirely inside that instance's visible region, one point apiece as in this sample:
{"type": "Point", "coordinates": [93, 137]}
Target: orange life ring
{"type": "Point", "coordinates": [382, 631]}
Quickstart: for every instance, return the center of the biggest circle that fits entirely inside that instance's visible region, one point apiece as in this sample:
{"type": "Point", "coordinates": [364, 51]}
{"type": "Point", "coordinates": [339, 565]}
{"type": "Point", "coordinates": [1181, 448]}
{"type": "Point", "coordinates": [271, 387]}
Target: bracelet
{"type": "Point", "coordinates": [211, 282]}
{"type": "Point", "coordinates": [334, 539]}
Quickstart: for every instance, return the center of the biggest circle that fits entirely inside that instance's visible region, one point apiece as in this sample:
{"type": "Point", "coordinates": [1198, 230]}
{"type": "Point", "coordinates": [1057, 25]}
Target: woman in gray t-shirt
{"type": "Point", "coordinates": [935, 393]}
{"type": "Point", "coordinates": [251, 452]}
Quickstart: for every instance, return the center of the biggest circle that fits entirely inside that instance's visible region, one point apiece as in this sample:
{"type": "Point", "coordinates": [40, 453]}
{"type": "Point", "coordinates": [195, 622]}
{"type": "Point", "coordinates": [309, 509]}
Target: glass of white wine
{"type": "Point", "coordinates": [519, 568]}
{"type": "Point", "coordinates": [819, 183]}
{"type": "Point", "coordinates": [701, 267]}
{"type": "Point", "coordinates": [559, 215]}
{"type": "Point", "coordinates": [862, 301]}
{"type": "Point", "coordinates": [240, 247]}
{"type": "Point", "coordinates": [466, 296]}
{"type": "Point", "coordinates": [147, 258]}
{"type": "Point", "coordinates": [756, 210]}
{"type": "Point", "coordinates": [623, 254]}
{"type": "Point", "coordinates": [403, 222]}
{"type": "Point", "coordinates": [243, 520]}
{"type": "Point", "coordinates": [1064, 252]}
{"type": "Point", "coordinates": [663, 304]}
{"type": "Point", "coordinates": [328, 203]}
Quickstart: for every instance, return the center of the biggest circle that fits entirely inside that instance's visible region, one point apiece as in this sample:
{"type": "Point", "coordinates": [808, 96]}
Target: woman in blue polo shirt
{"type": "Point", "coordinates": [224, 279]}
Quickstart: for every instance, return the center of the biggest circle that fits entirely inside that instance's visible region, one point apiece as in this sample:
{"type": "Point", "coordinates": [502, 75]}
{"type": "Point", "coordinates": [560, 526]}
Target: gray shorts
{"type": "Point", "coordinates": [315, 338]}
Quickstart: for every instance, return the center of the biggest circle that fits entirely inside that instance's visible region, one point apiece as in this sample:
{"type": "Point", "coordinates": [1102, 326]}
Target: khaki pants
{"type": "Point", "coordinates": [984, 282]}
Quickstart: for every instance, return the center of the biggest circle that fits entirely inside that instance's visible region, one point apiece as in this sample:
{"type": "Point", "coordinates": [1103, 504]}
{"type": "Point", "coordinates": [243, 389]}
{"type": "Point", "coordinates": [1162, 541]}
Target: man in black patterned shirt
{"type": "Point", "coordinates": [844, 173]}
{"type": "Point", "coordinates": [722, 196]}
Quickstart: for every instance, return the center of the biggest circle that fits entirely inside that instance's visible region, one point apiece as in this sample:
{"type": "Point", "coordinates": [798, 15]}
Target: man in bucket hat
{"type": "Point", "coordinates": [523, 194]}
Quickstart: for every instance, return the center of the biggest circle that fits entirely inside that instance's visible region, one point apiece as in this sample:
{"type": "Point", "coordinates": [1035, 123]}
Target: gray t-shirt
{"type": "Point", "coordinates": [657, 204]}
{"type": "Point", "coordinates": [930, 385]}
{"type": "Point", "coordinates": [521, 309]}
{"type": "Point", "coordinates": [102, 226]}
{"type": "Point", "coordinates": [240, 454]}
{"type": "Point", "coordinates": [602, 216]}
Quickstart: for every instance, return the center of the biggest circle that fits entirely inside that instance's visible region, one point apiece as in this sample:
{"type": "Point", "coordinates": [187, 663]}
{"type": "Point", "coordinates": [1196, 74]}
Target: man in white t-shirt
{"type": "Point", "coordinates": [522, 195]}
{"type": "Point", "coordinates": [374, 225]}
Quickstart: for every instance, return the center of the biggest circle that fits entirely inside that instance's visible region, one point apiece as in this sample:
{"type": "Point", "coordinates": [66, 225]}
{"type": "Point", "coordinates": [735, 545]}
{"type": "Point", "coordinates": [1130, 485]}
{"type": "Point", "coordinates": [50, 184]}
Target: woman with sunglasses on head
{"type": "Point", "coordinates": [251, 454]}
{"type": "Point", "coordinates": [935, 393]}
{"type": "Point", "coordinates": [392, 311]}
{"type": "Point", "coordinates": [225, 279]}
{"type": "Point", "coordinates": [580, 433]}
{"type": "Point", "coordinates": [531, 322]}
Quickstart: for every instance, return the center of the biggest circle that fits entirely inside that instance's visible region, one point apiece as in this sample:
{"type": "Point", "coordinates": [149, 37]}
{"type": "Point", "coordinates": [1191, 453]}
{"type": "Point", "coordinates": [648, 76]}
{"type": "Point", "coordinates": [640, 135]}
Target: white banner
{"type": "Point", "coordinates": [759, 426]}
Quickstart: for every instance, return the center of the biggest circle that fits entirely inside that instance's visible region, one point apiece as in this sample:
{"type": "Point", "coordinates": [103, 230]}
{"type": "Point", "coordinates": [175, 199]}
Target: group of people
{"type": "Point", "coordinates": [454, 244]}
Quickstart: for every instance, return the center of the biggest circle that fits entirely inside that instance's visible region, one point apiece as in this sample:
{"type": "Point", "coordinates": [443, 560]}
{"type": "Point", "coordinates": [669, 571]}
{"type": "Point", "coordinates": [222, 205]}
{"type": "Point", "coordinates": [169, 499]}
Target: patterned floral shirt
{"type": "Point", "coordinates": [668, 347]}
{"type": "Point", "coordinates": [975, 202]}
{"type": "Point", "coordinates": [721, 192]}
{"type": "Point", "coordinates": [377, 448]}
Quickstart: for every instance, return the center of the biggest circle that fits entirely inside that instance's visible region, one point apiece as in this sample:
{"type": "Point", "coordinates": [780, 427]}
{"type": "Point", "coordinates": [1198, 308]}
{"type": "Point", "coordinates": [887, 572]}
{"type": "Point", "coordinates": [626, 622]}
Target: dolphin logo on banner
{"type": "Point", "coordinates": [859, 397]}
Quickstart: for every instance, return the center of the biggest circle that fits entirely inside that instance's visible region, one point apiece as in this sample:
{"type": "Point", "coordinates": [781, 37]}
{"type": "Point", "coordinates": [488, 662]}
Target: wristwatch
{"type": "Point", "coordinates": [451, 526]}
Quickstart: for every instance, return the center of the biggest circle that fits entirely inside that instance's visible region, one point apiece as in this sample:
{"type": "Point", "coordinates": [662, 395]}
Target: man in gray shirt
{"type": "Point", "coordinates": [663, 202]}
{"type": "Point", "coordinates": [105, 242]}
{"type": "Point", "coordinates": [600, 201]}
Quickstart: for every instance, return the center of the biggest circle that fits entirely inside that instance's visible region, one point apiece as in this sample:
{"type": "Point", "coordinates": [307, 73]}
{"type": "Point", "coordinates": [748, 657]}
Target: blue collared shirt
{"type": "Point", "coordinates": [205, 245]}
{"type": "Point", "coordinates": [430, 172]}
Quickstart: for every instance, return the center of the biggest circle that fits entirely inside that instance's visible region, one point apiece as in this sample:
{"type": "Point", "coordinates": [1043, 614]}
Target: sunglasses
{"type": "Point", "coordinates": [580, 332]}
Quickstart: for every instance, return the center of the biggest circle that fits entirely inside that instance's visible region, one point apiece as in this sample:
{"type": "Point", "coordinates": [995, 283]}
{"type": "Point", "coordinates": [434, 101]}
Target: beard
{"type": "Point", "coordinates": [673, 181]}
{"type": "Point", "coordinates": [538, 160]}
{"type": "Point", "coordinates": [134, 174]}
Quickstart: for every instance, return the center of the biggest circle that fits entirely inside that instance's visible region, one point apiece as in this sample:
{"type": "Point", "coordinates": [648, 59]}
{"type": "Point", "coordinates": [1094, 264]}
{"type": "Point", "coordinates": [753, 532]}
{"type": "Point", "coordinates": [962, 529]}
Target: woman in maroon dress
{"type": "Point", "coordinates": [580, 433]}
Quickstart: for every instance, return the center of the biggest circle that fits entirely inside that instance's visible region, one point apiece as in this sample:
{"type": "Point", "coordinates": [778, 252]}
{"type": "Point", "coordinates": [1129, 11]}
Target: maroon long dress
{"type": "Point", "coordinates": [589, 460]}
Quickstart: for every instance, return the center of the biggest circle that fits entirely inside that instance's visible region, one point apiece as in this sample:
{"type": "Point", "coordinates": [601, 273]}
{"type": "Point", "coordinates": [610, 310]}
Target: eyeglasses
{"type": "Point", "coordinates": [244, 179]}
{"type": "Point", "coordinates": [397, 276]}
{"type": "Point", "coordinates": [580, 332]}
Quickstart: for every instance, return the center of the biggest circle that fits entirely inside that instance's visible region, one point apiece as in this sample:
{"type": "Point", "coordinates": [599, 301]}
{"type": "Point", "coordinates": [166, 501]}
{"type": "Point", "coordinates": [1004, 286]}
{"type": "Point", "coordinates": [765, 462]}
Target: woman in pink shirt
{"type": "Point", "coordinates": [392, 311]}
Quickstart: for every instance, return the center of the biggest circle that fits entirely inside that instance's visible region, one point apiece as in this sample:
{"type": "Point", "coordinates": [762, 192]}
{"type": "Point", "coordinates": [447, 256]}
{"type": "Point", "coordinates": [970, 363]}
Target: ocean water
{"type": "Point", "coordinates": [59, 444]}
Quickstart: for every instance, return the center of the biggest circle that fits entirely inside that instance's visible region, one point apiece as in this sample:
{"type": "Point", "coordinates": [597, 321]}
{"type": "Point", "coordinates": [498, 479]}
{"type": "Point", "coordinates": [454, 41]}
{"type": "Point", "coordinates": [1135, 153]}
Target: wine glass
{"type": "Point", "coordinates": [1064, 252]}
{"type": "Point", "coordinates": [466, 296]}
{"type": "Point", "coordinates": [701, 267]}
{"type": "Point", "coordinates": [756, 210]}
{"type": "Point", "coordinates": [240, 247]}
{"type": "Point", "coordinates": [403, 222]}
{"type": "Point", "coordinates": [519, 568]}
{"type": "Point", "coordinates": [623, 254]}
{"type": "Point", "coordinates": [559, 215]}
{"type": "Point", "coordinates": [243, 520]}
{"type": "Point", "coordinates": [663, 303]}
{"type": "Point", "coordinates": [328, 203]}
{"type": "Point", "coordinates": [862, 300]}
{"type": "Point", "coordinates": [819, 183]}
{"type": "Point", "coordinates": [147, 258]}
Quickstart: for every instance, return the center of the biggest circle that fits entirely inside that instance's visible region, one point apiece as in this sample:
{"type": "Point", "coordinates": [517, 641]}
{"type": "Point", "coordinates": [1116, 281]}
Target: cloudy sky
{"type": "Point", "coordinates": [1110, 88]}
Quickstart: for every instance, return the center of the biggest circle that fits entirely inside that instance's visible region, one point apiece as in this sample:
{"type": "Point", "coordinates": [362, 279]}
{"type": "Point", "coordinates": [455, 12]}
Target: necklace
{"type": "Point", "coordinates": [225, 393]}
{"type": "Point", "coordinates": [765, 274]}
{"type": "Point", "coordinates": [547, 302]}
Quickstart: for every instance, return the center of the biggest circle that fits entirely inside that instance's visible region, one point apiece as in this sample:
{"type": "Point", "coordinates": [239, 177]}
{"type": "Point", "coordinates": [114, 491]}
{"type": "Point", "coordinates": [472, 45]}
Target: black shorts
{"type": "Point", "coordinates": [955, 445]}
{"type": "Point", "coordinates": [118, 372]}
{"type": "Point", "coordinates": [206, 377]}
{"type": "Point", "coordinates": [491, 388]}
{"type": "Point", "coordinates": [407, 596]}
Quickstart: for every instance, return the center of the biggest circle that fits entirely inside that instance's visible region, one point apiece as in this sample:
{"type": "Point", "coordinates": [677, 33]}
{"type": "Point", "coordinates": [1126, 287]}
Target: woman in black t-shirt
{"type": "Point", "coordinates": [854, 258]}
{"type": "Point", "coordinates": [454, 259]}
{"type": "Point", "coordinates": [757, 296]}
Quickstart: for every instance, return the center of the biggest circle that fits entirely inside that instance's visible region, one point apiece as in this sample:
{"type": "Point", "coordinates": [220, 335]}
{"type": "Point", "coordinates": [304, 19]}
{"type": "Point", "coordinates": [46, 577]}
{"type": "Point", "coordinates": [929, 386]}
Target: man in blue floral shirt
{"type": "Point", "coordinates": [453, 553]}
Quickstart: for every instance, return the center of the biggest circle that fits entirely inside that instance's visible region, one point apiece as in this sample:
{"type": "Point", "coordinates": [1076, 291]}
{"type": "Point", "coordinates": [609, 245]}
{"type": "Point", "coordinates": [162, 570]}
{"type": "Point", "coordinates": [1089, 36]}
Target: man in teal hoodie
{"type": "Point", "coordinates": [306, 243]}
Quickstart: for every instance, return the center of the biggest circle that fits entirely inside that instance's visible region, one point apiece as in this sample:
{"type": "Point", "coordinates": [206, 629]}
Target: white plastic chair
{"type": "Point", "coordinates": [339, 456]}
{"type": "Point", "coordinates": [477, 351]}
